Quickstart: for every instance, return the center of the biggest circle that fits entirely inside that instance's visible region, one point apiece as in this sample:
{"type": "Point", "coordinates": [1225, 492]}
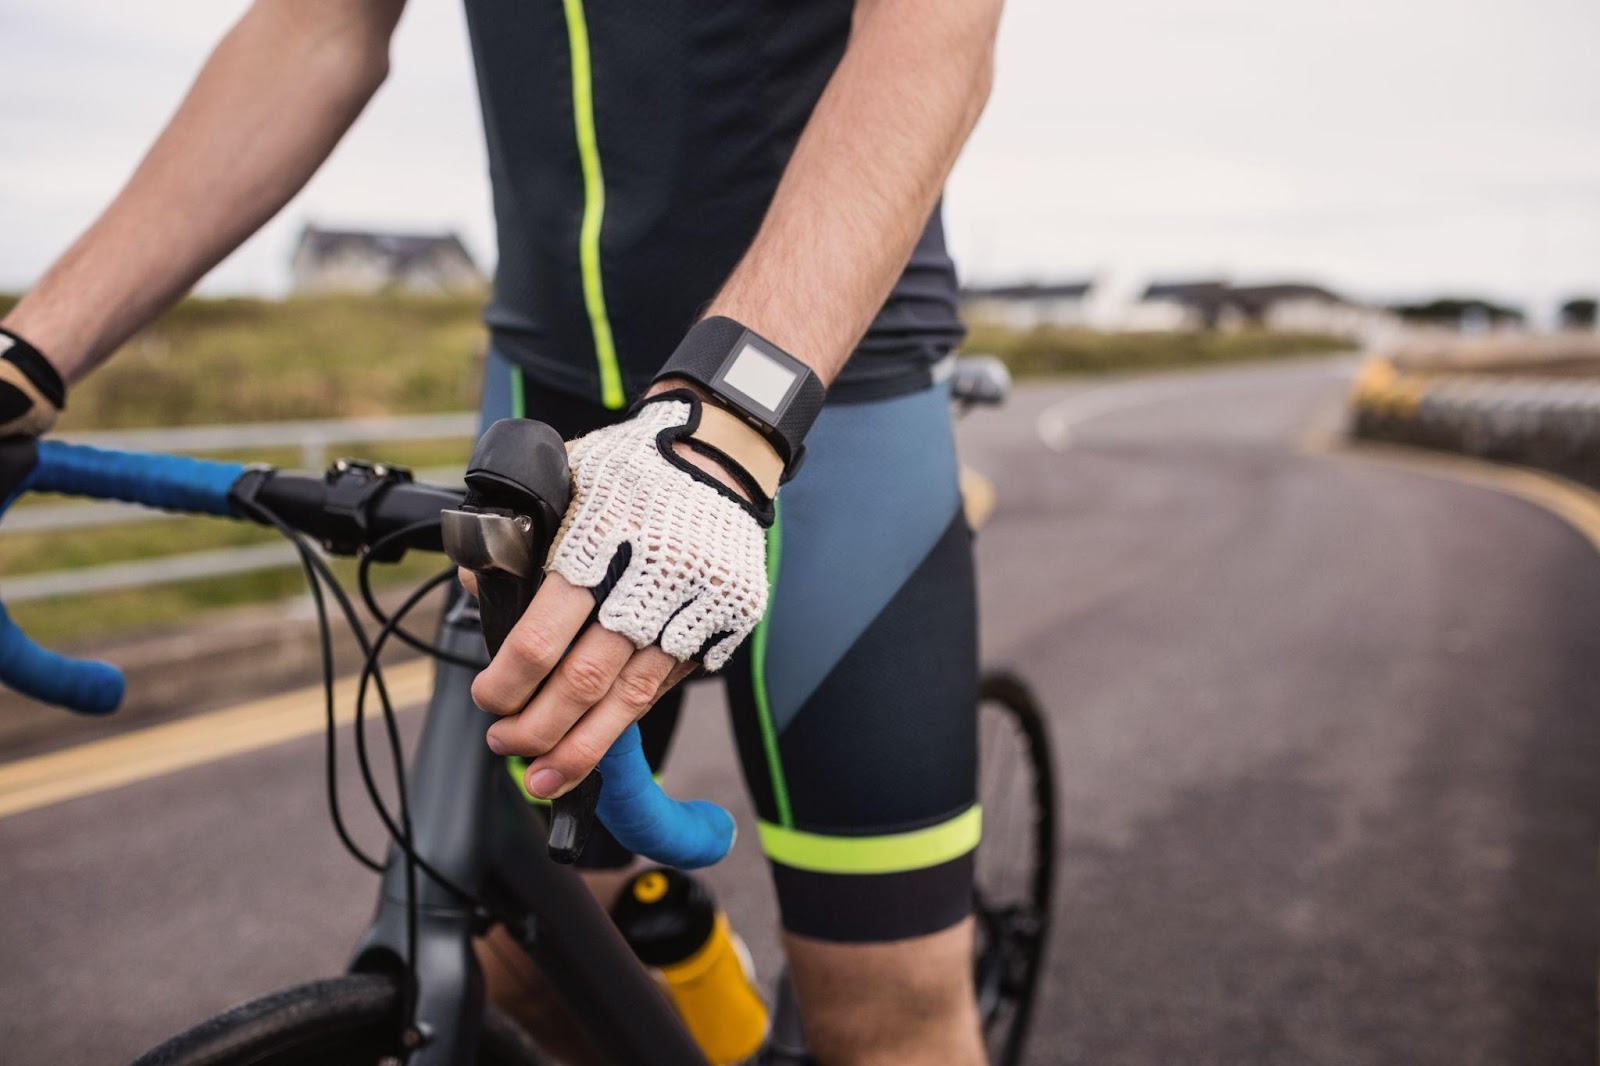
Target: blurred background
{"type": "Point", "coordinates": [1294, 524]}
{"type": "Point", "coordinates": [1390, 153]}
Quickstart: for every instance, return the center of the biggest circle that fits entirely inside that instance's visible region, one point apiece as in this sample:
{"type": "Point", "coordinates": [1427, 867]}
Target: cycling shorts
{"type": "Point", "coordinates": [854, 704]}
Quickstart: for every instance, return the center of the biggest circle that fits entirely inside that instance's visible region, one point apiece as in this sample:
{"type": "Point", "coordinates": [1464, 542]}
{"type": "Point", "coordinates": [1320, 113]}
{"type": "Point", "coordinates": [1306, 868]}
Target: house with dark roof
{"type": "Point", "coordinates": [1029, 304]}
{"type": "Point", "coordinates": [1283, 306]}
{"type": "Point", "coordinates": [328, 260]}
{"type": "Point", "coordinates": [1470, 314]}
{"type": "Point", "coordinates": [1199, 304]}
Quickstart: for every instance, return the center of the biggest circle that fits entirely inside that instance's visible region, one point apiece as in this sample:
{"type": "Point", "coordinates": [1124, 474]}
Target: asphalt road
{"type": "Point", "coordinates": [1327, 737]}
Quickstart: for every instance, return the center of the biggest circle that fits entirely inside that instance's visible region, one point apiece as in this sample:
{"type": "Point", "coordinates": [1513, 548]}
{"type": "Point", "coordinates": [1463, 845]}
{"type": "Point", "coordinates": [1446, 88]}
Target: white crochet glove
{"type": "Point", "coordinates": [672, 560]}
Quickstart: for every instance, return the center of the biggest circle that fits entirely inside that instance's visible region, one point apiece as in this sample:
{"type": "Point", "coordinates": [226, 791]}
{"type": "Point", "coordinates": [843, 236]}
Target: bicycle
{"type": "Point", "coordinates": [466, 851]}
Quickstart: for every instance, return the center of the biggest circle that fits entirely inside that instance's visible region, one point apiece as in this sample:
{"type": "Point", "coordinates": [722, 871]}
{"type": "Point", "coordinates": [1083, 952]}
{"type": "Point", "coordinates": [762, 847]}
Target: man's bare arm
{"type": "Point", "coordinates": [865, 176]}
{"type": "Point", "coordinates": [270, 104]}
{"type": "Point", "coordinates": [857, 192]}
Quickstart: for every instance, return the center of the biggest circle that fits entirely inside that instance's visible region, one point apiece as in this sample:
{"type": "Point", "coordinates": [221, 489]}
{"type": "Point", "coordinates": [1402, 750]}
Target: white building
{"type": "Point", "coordinates": [1031, 304]}
{"type": "Point", "coordinates": [1282, 307]}
{"type": "Point", "coordinates": [1178, 305]}
{"type": "Point", "coordinates": [354, 261]}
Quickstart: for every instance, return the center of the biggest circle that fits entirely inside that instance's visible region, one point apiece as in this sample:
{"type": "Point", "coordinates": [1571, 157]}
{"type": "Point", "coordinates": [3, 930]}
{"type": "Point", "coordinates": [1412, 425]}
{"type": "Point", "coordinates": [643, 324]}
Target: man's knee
{"type": "Point", "coordinates": [905, 1002]}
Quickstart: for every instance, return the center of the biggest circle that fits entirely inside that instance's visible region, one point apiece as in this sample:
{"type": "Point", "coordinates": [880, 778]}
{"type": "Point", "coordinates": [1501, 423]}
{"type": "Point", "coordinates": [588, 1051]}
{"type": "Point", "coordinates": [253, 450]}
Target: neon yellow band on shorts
{"type": "Point", "coordinates": [885, 854]}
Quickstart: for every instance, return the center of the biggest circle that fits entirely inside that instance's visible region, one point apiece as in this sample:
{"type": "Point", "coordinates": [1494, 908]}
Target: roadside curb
{"type": "Point", "coordinates": [1547, 422]}
{"type": "Point", "coordinates": [1575, 504]}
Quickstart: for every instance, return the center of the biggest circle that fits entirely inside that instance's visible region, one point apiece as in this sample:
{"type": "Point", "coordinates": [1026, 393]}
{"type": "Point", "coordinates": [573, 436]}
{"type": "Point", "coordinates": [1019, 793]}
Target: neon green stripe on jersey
{"type": "Point", "coordinates": [594, 206]}
{"type": "Point", "coordinates": [519, 398]}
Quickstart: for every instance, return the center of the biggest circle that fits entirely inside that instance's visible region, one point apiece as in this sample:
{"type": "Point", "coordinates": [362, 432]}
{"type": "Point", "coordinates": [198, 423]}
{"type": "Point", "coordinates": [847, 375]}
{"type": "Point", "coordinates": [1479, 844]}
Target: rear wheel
{"type": "Point", "coordinates": [1016, 862]}
{"type": "Point", "coordinates": [347, 1021]}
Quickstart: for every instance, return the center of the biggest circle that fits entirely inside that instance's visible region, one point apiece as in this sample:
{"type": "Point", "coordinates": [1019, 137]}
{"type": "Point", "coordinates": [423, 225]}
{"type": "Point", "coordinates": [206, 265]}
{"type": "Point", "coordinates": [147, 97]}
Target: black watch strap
{"type": "Point", "coordinates": [772, 390]}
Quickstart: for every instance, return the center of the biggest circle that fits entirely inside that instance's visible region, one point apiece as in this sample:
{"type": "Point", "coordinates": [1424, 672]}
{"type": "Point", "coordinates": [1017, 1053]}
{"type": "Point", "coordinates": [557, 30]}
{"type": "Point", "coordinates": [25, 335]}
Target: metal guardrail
{"type": "Point", "coordinates": [141, 573]}
{"type": "Point", "coordinates": [162, 570]}
{"type": "Point", "coordinates": [64, 516]}
{"type": "Point", "coordinates": [313, 438]}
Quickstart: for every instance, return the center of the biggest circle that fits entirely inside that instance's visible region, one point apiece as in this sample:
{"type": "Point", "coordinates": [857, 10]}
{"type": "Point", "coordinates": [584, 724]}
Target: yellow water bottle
{"type": "Point", "coordinates": [676, 928]}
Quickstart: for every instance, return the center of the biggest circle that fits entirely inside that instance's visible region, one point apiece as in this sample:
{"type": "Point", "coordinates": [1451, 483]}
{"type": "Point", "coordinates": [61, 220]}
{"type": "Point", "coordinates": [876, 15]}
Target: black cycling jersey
{"type": "Point", "coordinates": [634, 146]}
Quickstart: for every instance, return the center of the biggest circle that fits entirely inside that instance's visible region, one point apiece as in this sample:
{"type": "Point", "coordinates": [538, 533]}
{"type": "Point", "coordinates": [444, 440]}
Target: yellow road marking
{"type": "Point", "coordinates": [1381, 385]}
{"type": "Point", "coordinates": [100, 765]}
{"type": "Point", "coordinates": [977, 497]}
{"type": "Point", "coordinates": [1569, 501]}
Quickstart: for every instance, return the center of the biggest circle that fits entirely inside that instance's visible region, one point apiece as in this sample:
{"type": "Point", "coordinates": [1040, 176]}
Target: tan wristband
{"type": "Point", "coordinates": [36, 419]}
{"type": "Point", "coordinates": [728, 433]}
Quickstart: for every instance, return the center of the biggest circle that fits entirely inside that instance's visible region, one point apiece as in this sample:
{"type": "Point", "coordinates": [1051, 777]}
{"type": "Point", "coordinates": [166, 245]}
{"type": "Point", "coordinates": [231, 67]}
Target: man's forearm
{"type": "Point", "coordinates": [272, 101]}
{"type": "Point", "coordinates": [865, 176]}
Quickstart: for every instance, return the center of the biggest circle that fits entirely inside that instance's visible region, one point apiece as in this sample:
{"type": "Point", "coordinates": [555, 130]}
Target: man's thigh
{"type": "Point", "coordinates": [854, 705]}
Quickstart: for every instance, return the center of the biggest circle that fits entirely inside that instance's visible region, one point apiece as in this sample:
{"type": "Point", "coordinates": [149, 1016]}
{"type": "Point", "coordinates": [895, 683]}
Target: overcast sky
{"type": "Point", "coordinates": [1386, 148]}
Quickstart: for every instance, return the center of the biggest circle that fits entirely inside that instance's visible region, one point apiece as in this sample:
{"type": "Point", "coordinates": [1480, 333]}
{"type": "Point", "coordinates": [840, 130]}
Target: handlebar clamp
{"type": "Point", "coordinates": [354, 489]}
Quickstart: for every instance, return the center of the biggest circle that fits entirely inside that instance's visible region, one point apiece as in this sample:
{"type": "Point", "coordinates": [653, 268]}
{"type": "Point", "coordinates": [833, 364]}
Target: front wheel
{"type": "Point", "coordinates": [1016, 862]}
{"type": "Point", "coordinates": [346, 1021]}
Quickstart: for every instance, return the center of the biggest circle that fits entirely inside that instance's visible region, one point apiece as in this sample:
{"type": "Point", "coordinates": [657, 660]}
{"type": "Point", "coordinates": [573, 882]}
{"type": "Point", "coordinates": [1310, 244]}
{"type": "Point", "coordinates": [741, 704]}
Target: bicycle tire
{"type": "Point", "coordinates": [1013, 923]}
{"type": "Point", "coordinates": [344, 1021]}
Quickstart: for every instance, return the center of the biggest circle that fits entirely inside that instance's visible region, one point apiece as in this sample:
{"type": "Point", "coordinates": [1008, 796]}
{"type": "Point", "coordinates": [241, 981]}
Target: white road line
{"type": "Point", "coordinates": [1056, 424]}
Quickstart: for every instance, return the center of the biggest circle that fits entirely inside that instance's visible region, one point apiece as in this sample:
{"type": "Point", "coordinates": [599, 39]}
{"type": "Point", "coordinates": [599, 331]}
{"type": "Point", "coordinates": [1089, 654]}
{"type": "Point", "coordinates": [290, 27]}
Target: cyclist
{"type": "Point", "coordinates": [717, 210]}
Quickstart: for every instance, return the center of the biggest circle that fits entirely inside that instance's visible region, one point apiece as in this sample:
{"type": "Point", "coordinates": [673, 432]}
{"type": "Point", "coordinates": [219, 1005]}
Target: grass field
{"type": "Point", "coordinates": [249, 360]}
{"type": "Point", "coordinates": [212, 361]}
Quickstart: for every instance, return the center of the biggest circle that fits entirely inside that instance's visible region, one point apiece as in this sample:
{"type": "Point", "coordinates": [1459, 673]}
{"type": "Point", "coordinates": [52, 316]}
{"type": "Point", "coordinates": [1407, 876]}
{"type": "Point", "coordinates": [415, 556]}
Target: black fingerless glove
{"type": "Point", "coordinates": [31, 396]}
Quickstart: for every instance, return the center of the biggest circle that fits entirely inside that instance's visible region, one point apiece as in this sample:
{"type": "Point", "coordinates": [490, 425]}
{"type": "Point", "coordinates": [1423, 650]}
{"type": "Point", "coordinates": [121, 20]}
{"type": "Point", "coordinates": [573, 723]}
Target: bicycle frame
{"type": "Point", "coordinates": [471, 823]}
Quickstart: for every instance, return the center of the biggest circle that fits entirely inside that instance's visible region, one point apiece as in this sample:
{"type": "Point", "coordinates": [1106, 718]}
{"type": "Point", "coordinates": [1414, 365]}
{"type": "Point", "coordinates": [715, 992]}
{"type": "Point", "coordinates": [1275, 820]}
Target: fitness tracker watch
{"type": "Point", "coordinates": [773, 392]}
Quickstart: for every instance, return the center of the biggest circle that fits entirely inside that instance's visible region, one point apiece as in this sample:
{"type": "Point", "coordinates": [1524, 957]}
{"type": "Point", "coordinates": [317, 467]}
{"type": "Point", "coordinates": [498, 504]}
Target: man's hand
{"type": "Point", "coordinates": [665, 557]}
{"type": "Point", "coordinates": [602, 686]}
{"type": "Point", "coordinates": [31, 396]}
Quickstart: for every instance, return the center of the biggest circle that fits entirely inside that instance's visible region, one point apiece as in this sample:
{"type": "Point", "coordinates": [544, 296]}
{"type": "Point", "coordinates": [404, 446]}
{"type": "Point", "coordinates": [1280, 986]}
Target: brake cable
{"type": "Point", "coordinates": [325, 637]}
{"type": "Point", "coordinates": [318, 574]}
{"type": "Point", "coordinates": [405, 636]}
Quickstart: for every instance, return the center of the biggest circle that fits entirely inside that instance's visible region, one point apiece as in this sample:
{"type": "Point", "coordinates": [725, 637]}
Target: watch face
{"type": "Point", "coordinates": [765, 380]}
{"type": "Point", "coordinates": [759, 376]}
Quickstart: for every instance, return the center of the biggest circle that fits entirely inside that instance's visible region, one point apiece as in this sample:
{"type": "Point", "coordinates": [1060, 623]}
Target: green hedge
{"type": "Point", "coordinates": [249, 360]}
{"type": "Point", "coordinates": [1054, 350]}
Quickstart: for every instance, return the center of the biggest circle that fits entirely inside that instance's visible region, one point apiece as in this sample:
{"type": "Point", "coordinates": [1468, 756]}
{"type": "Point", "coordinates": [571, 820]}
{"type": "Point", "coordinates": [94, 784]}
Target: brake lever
{"type": "Point", "coordinates": [517, 491]}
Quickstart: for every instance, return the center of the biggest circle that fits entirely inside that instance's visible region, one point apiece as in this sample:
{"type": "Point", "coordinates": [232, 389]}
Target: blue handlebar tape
{"type": "Point", "coordinates": [170, 482]}
{"type": "Point", "coordinates": [77, 684]}
{"type": "Point", "coordinates": [645, 820]}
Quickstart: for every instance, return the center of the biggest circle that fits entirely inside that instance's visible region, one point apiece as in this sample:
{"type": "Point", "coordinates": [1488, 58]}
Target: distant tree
{"type": "Point", "coordinates": [1455, 311]}
{"type": "Point", "coordinates": [1580, 313]}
